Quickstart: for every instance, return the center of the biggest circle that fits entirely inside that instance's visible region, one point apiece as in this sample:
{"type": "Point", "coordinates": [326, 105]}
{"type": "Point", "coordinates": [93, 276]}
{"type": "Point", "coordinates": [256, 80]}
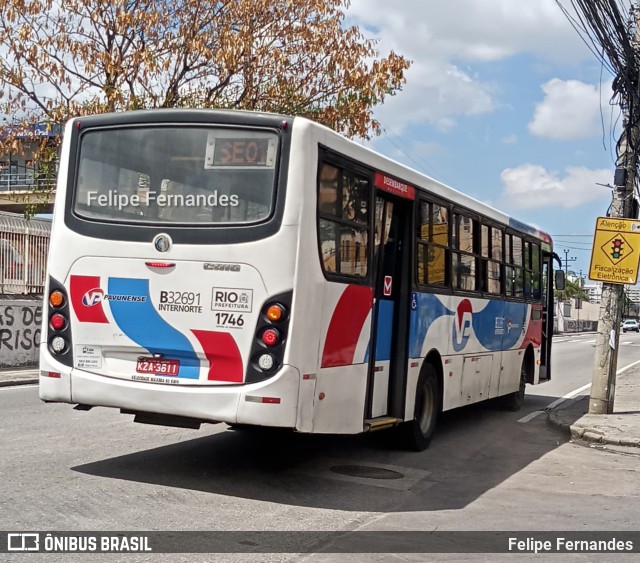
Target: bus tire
{"type": "Point", "coordinates": [513, 401]}
{"type": "Point", "coordinates": [417, 433]}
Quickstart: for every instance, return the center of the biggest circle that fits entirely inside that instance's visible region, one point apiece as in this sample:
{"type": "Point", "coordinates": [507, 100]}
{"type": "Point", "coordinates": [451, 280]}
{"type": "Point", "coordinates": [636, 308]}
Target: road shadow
{"type": "Point", "coordinates": [475, 449]}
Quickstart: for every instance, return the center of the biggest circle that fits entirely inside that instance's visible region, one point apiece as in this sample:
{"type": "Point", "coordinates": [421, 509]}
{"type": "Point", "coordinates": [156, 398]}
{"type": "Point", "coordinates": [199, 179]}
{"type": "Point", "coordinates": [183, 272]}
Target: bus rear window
{"type": "Point", "coordinates": [175, 174]}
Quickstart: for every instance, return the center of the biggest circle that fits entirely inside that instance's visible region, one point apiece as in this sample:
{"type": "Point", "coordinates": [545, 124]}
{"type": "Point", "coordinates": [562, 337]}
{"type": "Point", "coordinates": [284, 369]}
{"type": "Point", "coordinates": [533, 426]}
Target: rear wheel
{"type": "Point", "coordinates": [513, 401]}
{"type": "Point", "coordinates": [418, 432]}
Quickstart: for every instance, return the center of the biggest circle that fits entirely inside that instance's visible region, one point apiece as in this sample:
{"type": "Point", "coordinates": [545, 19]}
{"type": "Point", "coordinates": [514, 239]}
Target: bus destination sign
{"type": "Point", "coordinates": [240, 152]}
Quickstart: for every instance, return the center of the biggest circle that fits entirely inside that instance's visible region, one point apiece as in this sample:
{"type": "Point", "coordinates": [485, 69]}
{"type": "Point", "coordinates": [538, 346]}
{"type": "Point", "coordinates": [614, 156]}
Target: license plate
{"type": "Point", "coordinates": [157, 366]}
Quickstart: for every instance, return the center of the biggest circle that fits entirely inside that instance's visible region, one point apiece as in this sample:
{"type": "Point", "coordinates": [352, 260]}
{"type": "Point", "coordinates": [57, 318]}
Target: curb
{"type": "Point", "coordinates": [14, 382]}
{"type": "Point", "coordinates": [588, 434]}
{"type": "Point", "coordinates": [595, 437]}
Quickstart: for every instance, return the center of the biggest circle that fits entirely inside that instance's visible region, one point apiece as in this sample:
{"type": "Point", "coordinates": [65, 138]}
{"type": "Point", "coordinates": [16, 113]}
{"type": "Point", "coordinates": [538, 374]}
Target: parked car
{"type": "Point", "coordinates": [630, 325]}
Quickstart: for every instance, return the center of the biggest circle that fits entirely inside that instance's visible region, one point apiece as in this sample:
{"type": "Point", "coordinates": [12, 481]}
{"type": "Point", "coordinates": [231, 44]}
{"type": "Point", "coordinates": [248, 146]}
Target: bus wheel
{"type": "Point", "coordinates": [513, 401]}
{"type": "Point", "coordinates": [418, 432]}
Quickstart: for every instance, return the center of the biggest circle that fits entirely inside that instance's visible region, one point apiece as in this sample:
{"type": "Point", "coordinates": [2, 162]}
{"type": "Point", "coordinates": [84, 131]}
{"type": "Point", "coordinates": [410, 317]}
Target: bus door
{"type": "Point", "coordinates": [392, 284]}
{"type": "Point", "coordinates": [547, 317]}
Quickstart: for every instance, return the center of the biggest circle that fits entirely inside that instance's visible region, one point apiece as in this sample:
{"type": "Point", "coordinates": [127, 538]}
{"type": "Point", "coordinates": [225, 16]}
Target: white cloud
{"type": "Point", "coordinates": [436, 92]}
{"type": "Point", "coordinates": [474, 31]}
{"type": "Point", "coordinates": [531, 186]}
{"type": "Point", "coordinates": [510, 139]}
{"type": "Point", "coordinates": [439, 37]}
{"type": "Point", "coordinates": [570, 110]}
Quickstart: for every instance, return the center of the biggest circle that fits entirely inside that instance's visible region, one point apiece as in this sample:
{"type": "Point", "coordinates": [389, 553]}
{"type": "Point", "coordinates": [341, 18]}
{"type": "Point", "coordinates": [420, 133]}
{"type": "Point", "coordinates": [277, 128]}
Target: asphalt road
{"type": "Point", "coordinates": [68, 470]}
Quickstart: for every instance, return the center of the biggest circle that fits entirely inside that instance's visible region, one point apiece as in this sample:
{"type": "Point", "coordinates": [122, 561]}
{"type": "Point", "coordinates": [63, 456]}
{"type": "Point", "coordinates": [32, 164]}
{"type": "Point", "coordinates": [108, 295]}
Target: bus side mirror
{"type": "Point", "coordinates": [559, 281]}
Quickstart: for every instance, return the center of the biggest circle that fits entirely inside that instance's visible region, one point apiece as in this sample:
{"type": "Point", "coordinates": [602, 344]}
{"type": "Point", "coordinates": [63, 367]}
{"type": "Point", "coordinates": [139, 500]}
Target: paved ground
{"type": "Point", "coordinates": [622, 428]}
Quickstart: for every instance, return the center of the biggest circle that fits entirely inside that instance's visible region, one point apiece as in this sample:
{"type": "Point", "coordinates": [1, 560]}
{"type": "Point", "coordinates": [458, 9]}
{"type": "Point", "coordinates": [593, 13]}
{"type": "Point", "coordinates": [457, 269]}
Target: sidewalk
{"type": "Point", "coordinates": [18, 376]}
{"type": "Point", "coordinates": [622, 428]}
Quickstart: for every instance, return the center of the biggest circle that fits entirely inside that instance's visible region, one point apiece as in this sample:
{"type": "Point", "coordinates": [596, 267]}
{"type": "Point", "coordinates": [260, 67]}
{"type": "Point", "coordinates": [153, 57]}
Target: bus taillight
{"type": "Point", "coordinates": [267, 352]}
{"type": "Point", "coordinates": [270, 337]}
{"type": "Point", "coordinates": [266, 362]}
{"type": "Point", "coordinates": [58, 344]}
{"type": "Point", "coordinates": [276, 312]}
{"type": "Point", "coordinates": [58, 322]}
{"type": "Point", "coordinates": [59, 337]}
{"type": "Point", "coordinates": [56, 298]}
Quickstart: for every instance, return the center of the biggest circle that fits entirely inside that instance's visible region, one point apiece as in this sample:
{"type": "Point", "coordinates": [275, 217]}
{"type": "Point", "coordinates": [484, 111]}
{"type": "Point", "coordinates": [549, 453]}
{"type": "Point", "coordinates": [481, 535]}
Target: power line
{"type": "Point", "coordinates": [391, 136]}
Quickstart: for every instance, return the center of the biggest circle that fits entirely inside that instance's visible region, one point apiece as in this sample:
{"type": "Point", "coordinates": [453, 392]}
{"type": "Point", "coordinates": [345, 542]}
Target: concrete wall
{"type": "Point", "coordinates": [569, 319]}
{"type": "Point", "coordinates": [20, 322]}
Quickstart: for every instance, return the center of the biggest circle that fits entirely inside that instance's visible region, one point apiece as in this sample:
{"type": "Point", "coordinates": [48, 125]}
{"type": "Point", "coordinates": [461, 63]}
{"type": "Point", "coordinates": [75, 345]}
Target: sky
{"type": "Point", "coordinates": [505, 102]}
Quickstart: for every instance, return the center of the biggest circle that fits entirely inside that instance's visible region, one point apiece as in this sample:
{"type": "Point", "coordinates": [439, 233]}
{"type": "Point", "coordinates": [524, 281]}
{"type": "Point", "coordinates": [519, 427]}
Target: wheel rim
{"type": "Point", "coordinates": [428, 409]}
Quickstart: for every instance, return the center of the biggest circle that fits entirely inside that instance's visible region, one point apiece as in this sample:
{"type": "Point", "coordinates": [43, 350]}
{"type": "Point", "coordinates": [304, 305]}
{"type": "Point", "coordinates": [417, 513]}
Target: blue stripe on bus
{"type": "Point", "coordinates": [425, 309]}
{"type": "Point", "coordinates": [140, 321]}
{"type": "Point", "coordinates": [384, 332]}
{"type": "Point", "coordinates": [498, 326]}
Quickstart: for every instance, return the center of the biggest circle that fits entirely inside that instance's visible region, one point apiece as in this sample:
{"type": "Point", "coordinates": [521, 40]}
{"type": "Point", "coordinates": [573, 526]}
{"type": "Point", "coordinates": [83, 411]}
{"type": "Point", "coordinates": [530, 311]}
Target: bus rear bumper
{"type": "Point", "coordinates": [268, 403]}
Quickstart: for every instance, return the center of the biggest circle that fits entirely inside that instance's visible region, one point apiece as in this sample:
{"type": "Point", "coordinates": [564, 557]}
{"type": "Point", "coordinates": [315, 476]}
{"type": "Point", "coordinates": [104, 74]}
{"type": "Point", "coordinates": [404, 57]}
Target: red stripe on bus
{"type": "Point", "coordinates": [534, 329]}
{"type": "Point", "coordinates": [346, 325]}
{"type": "Point", "coordinates": [225, 361]}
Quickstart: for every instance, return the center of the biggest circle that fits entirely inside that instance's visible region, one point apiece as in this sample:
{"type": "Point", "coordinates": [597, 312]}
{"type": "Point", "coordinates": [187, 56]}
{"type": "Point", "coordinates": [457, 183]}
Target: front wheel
{"type": "Point", "coordinates": [417, 433]}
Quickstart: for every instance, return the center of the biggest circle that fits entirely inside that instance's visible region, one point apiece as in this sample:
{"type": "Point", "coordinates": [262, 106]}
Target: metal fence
{"type": "Point", "coordinates": [21, 179]}
{"type": "Point", "coordinates": [580, 326]}
{"type": "Point", "coordinates": [24, 244]}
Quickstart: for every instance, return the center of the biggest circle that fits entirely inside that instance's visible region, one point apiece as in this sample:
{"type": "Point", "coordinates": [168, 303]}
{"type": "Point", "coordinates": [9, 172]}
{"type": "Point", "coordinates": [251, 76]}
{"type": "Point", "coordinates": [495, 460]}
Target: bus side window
{"type": "Point", "coordinates": [343, 227]}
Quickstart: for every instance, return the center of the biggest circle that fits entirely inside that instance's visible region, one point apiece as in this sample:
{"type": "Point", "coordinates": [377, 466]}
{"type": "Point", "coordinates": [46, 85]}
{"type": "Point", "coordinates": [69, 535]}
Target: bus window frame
{"type": "Point", "coordinates": [526, 238]}
{"type": "Point", "coordinates": [340, 161]}
{"type": "Point", "coordinates": [418, 285]}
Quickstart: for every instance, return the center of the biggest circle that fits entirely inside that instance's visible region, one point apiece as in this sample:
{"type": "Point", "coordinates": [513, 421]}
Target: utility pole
{"type": "Point", "coordinates": [566, 262]}
{"type": "Point", "coordinates": [603, 382]}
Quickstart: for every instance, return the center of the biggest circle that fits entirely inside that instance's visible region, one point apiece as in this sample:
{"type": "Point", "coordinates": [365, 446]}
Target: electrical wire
{"type": "Point", "coordinates": [424, 166]}
{"type": "Point", "coordinates": [608, 28]}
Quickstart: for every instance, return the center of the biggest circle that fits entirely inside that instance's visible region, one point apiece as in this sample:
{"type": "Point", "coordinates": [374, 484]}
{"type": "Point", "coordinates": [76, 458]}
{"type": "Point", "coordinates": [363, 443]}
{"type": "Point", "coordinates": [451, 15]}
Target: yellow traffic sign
{"type": "Point", "coordinates": [616, 250]}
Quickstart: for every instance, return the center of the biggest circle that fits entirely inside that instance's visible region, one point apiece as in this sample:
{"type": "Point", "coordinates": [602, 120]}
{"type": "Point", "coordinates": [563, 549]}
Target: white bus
{"type": "Point", "coordinates": [262, 270]}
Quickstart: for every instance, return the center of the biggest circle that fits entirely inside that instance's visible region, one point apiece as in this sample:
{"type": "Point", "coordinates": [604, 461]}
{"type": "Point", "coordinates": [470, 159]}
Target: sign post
{"type": "Point", "coordinates": [614, 262]}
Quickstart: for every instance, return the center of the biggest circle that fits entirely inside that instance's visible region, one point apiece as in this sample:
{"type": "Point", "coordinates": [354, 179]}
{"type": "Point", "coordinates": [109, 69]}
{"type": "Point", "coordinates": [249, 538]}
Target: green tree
{"type": "Point", "coordinates": [572, 289]}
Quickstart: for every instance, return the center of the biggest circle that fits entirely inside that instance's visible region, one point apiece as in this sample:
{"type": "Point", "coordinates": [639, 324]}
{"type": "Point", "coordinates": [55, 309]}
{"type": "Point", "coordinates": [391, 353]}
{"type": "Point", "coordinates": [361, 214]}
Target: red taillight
{"type": "Point", "coordinates": [58, 322]}
{"type": "Point", "coordinates": [270, 337]}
